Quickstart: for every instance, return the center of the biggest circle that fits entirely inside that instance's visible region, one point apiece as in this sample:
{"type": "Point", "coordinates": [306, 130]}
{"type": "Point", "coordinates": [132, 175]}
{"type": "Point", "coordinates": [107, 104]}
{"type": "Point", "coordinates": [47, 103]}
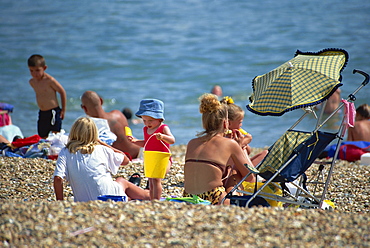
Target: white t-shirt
{"type": "Point", "coordinates": [90, 174]}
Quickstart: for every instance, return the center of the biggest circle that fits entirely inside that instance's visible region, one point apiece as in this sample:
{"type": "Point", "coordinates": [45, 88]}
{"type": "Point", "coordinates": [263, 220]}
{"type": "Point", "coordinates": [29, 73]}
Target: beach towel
{"type": "Point", "coordinates": [4, 119]}
{"type": "Point", "coordinates": [26, 141]}
{"type": "Point", "coordinates": [5, 109]}
{"type": "Point", "coordinates": [350, 150]}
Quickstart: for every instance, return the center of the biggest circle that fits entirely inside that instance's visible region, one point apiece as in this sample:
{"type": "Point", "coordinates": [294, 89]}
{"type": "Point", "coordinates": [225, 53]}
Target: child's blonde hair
{"type": "Point", "coordinates": [234, 111]}
{"type": "Point", "coordinates": [83, 136]}
{"type": "Point", "coordinates": [36, 60]}
{"type": "Point", "coordinates": [213, 114]}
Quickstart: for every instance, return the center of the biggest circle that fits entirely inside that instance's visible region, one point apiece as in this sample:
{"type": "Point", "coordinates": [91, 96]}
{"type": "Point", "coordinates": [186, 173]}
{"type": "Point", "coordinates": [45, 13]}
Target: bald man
{"type": "Point", "coordinates": [92, 105]}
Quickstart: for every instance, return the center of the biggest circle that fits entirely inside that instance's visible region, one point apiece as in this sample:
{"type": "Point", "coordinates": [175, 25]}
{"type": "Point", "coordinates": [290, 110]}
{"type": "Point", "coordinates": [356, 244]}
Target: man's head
{"type": "Point", "coordinates": [90, 100]}
{"type": "Point", "coordinates": [217, 90]}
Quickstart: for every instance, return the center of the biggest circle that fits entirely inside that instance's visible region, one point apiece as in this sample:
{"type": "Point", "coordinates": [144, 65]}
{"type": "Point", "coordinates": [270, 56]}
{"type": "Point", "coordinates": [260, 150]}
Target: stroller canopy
{"type": "Point", "coordinates": [306, 80]}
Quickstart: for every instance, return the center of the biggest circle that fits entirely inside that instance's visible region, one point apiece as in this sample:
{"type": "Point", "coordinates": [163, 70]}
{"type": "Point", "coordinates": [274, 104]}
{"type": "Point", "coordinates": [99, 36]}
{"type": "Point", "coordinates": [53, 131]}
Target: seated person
{"type": "Point", "coordinates": [92, 104]}
{"type": "Point", "coordinates": [358, 137]}
{"type": "Point", "coordinates": [87, 163]}
{"type": "Point", "coordinates": [7, 129]}
{"type": "Point", "coordinates": [361, 129]}
{"type": "Point", "coordinates": [207, 155]}
{"type": "Point", "coordinates": [236, 117]}
{"type": "Point", "coordinates": [10, 132]}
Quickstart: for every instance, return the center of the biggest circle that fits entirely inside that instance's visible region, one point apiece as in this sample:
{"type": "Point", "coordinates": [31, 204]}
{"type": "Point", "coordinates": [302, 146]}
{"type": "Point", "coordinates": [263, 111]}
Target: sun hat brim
{"type": "Point", "coordinates": [151, 107]}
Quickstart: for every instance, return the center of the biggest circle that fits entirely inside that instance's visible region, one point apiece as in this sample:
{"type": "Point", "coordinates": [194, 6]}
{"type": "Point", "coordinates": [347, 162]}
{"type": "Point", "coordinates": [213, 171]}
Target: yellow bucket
{"type": "Point", "coordinates": [155, 163]}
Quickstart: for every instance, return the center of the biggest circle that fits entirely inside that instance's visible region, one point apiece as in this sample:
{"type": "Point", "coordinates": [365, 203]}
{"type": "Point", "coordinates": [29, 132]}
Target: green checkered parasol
{"type": "Point", "coordinates": [306, 80]}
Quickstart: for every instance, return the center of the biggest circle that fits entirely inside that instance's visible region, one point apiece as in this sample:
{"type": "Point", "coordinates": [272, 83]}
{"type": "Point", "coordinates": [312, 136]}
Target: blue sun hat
{"type": "Point", "coordinates": [151, 107]}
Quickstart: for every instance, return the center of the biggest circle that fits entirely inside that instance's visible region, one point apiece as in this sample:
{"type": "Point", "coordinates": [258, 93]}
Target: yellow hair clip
{"type": "Point", "coordinates": [228, 99]}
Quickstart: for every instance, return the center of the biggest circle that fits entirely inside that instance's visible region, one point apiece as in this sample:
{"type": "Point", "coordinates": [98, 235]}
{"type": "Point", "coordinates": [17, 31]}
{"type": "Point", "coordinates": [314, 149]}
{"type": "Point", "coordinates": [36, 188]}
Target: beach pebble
{"type": "Point", "coordinates": [30, 216]}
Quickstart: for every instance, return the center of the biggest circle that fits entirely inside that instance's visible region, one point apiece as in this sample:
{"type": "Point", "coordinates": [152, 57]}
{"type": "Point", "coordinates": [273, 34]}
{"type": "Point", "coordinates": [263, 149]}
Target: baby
{"type": "Point", "coordinates": [157, 137]}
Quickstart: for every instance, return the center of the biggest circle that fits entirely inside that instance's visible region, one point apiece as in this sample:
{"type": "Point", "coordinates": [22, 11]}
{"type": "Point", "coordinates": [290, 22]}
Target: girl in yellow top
{"type": "Point", "coordinates": [236, 117]}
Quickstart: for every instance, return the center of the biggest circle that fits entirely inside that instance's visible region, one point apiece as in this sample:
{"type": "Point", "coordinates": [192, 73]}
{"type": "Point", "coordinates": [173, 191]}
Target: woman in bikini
{"type": "Point", "coordinates": [207, 155]}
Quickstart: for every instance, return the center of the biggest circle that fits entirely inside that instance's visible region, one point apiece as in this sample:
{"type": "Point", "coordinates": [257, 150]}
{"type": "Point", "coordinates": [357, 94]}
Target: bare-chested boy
{"type": "Point", "coordinates": [46, 88]}
{"type": "Point", "coordinates": [361, 130]}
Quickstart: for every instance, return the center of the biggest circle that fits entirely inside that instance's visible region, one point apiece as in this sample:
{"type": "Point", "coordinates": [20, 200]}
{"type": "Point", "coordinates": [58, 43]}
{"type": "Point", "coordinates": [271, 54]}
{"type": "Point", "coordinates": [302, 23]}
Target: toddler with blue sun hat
{"type": "Point", "coordinates": [157, 137]}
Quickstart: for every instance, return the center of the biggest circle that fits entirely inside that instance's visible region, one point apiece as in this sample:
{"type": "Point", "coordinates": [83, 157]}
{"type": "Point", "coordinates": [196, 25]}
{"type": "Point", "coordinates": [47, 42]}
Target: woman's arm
{"type": "Point", "coordinates": [58, 188]}
{"type": "Point", "coordinates": [240, 158]}
{"type": "Point", "coordinates": [125, 161]}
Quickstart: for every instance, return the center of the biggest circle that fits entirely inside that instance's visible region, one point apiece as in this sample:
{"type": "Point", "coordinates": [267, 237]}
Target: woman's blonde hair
{"type": "Point", "coordinates": [83, 136]}
{"type": "Point", "coordinates": [214, 113]}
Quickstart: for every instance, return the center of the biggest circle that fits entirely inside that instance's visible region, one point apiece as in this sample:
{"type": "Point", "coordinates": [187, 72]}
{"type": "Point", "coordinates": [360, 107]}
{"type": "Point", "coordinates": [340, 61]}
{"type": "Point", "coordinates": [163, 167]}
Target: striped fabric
{"type": "Point", "coordinates": [282, 149]}
{"type": "Point", "coordinates": [306, 80]}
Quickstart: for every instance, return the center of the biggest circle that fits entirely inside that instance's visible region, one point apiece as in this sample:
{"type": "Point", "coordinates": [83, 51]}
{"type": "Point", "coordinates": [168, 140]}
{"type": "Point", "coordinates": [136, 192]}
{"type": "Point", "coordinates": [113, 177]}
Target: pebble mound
{"type": "Point", "coordinates": [30, 216]}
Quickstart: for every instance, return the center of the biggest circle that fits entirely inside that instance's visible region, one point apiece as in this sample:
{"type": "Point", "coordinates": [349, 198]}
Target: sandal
{"type": "Point", "coordinates": [135, 179]}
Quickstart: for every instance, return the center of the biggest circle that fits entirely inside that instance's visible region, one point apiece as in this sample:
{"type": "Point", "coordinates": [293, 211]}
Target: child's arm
{"type": "Point", "coordinates": [247, 139]}
{"type": "Point", "coordinates": [166, 136]}
{"type": "Point", "coordinates": [58, 188]}
{"type": "Point", "coordinates": [135, 141]}
{"type": "Point", "coordinates": [63, 96]}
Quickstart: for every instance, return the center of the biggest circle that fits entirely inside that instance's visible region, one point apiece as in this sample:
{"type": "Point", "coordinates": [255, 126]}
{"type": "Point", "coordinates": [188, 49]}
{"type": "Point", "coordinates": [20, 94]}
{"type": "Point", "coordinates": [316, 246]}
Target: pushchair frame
{"type": "Point", "coordinates": [302, 197]}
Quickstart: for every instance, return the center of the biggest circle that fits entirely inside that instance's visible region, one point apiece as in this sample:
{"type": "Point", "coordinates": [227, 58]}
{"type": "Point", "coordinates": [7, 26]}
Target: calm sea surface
{"type": "Point", "coordinates": [174, 51]}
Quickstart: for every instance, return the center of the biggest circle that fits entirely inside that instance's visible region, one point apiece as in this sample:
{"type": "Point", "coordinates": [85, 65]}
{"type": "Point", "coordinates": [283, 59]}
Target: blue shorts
{"type": "Point", "coordinates": [49, 120]}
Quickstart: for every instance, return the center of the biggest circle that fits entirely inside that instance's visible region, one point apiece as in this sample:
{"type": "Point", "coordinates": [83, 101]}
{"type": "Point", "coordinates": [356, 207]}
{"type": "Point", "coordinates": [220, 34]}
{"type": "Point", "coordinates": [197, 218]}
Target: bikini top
{"type": "Point", "coordinates": [220, 166]}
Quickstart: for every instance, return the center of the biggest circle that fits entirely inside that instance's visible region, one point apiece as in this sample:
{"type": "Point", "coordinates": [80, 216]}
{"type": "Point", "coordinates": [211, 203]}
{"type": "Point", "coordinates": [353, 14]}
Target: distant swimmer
{"type": "Point", "coordinates": [217, 90]}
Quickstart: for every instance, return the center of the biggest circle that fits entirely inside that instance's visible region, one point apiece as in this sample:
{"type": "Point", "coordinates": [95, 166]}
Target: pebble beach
{"type": "Point", "coordinates": [31, 217]}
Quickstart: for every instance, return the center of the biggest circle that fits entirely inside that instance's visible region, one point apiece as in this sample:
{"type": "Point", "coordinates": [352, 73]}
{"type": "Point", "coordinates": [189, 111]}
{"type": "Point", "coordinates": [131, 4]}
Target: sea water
{"type": "Point", "coordinates": [173, 51]}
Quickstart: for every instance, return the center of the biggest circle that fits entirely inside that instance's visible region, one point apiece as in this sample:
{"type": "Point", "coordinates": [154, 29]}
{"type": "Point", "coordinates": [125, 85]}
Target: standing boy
{"type": "Point", "coordinates": [46, 88]}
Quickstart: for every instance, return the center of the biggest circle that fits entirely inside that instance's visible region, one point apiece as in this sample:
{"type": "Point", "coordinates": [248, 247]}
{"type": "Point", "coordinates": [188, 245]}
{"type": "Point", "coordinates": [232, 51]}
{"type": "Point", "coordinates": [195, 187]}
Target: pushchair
{"type": "Point", "coordinates": [301, 83]}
